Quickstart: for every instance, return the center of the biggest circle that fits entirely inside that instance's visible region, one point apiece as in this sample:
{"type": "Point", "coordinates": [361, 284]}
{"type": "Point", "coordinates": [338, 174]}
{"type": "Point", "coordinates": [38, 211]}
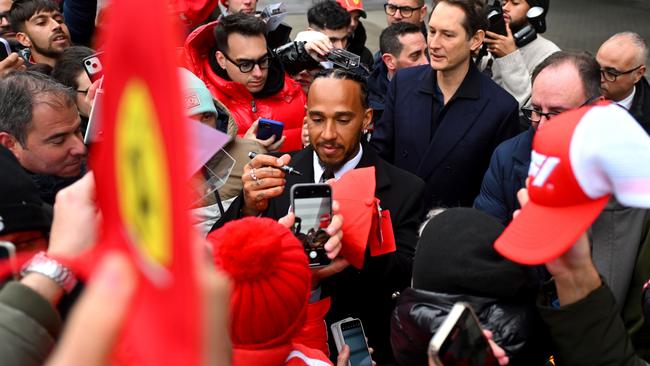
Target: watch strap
{"type": "Point", "coordinates": [52, 269]}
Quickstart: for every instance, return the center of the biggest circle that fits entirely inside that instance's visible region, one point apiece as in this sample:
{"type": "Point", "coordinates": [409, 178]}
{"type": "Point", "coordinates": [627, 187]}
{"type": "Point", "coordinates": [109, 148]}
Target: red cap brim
{"type": "Point", "coordinates": [540, 234]}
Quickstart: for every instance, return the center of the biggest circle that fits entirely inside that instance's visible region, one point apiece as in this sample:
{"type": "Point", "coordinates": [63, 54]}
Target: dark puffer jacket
{"type": "Point", "coordinates": [419, 314]}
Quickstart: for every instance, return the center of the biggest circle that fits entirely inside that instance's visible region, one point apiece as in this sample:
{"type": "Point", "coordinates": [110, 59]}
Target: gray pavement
{"type": "Point", "coordinates": [572, 24]}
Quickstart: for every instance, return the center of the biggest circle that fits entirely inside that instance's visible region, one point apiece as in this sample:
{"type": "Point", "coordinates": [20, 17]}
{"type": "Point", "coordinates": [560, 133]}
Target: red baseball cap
{"type": "Point", "coordinates": [352, 5]}
{"type": "Point", "coordinates": [579, 159]}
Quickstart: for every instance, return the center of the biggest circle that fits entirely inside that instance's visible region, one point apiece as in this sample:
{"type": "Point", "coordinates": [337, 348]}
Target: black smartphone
{"type": "Point", "coordinates": [350, 331]}
{"type": "Point", "coordinates": [312, 206]}
{"type": "Point", "coordinates": [496, 22]}
{"type": "Point", "coordinates": [93, 66]}
{"type": "Point", "coordinates": [5, 49]}
{"type": "Point", "coordinates": [460, 340]}
{"type": "Point", "coordinates": [268, 127]}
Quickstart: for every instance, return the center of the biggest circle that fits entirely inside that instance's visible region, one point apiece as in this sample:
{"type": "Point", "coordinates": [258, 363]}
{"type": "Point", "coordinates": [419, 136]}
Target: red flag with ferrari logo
{"type": "Point", "coordinates": [141, 172]}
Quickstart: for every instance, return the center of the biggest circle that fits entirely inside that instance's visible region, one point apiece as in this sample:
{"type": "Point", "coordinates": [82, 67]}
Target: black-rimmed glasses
{"type": "Point", "coordinates": [535, 116]}
{"type": "Point", "coordinates": [247, 66]}
{"type": "Point", "coordinates": [406, 11]}
{"type": "Point", "coordinates": [610, 74]}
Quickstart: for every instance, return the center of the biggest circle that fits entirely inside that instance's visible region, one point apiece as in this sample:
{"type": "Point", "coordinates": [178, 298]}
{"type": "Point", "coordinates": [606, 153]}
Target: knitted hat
{"type": "Point", "coordinates": [21, 207]}
{"type": "Point", "coordinates": [271, 281]}
{"type": "Point", "coordinates": [196, 96]}
{"type": "Point", "coordinates": [455, 256]}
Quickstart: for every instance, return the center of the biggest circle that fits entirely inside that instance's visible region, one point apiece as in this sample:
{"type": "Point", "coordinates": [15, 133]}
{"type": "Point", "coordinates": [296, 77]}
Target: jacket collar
{"type": "Point", "coordinates": [304, 164]}
{"type": "Point", "coordinates": [524, 147]}
{"type": "Point", "coordinates": [470, 87]}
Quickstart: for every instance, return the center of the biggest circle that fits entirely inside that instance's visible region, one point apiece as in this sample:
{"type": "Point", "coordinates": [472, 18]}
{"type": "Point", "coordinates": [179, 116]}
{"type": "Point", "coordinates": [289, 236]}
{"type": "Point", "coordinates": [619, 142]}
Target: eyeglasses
{"type": "Point", "coordinates": [535, 116]}
{"type": "Point", "coordinates": [406, 11]}
{"type": "Point", "coordinates": [247, 66]}
{"type": "Point", "coordinates": [610, 74]}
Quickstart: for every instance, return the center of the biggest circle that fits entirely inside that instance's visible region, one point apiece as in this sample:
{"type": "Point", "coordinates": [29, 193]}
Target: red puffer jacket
{"type": "Point", "coordinates": [287, 105]}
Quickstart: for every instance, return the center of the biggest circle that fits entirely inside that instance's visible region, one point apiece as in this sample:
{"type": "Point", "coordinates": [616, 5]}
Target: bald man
{"type": "Point", "coordinates": [622, 60]}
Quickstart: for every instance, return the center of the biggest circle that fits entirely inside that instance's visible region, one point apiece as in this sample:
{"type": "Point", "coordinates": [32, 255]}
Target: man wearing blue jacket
{"type": "Point", "coordinates": [443, 121]}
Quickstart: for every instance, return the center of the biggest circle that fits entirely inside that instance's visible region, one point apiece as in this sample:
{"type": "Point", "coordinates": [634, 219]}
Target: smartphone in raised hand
{"type": "Point", "coordinates": [312, 206]}
{"type": "Point", "coordinates": [460, 340]}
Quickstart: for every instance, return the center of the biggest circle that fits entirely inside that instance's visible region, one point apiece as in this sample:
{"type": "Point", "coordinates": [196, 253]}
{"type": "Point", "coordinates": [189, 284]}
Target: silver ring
{"type": "Point", "coordinates": [253, 174]}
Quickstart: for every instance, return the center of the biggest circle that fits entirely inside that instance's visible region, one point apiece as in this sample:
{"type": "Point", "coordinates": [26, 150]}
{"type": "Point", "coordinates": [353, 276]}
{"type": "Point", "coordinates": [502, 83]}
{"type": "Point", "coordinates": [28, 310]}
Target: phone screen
{"type": "Point", "coordinates": [312, 205]}
{"type": "Point", "coordinates": [355, 339]}
{"type": "Point", "coordinates": [466, 344]}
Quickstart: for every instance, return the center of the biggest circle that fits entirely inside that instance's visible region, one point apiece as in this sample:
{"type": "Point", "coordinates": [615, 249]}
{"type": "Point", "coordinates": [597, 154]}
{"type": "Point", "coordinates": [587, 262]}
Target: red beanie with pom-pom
{"type": "Point", "coordinates": [271, 281]}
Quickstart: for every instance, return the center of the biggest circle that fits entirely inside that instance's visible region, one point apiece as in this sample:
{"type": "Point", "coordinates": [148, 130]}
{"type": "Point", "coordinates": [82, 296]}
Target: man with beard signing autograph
{"type": "Point", "coordinates": [335, 122]}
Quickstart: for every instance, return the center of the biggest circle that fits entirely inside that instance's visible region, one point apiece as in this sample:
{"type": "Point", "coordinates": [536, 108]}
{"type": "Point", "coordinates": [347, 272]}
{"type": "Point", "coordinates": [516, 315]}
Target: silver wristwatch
{"type": "Point", "coordinates": [51, 269]}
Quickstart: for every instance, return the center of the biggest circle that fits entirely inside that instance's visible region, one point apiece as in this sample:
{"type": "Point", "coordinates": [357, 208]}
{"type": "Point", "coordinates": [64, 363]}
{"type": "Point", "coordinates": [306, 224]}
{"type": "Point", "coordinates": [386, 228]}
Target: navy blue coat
{"type": "Point", "coordinates": [452, 163]}
{"type": "Point", "coordinates": [505, 177]}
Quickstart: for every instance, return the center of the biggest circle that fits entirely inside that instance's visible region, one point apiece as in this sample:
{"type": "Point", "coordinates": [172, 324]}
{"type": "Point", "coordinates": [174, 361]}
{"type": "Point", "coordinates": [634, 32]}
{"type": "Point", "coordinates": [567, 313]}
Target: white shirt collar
{"type": "Point", "coordinates": [627, 101]}
{"type": "Point", "coordinates": [349, 165]}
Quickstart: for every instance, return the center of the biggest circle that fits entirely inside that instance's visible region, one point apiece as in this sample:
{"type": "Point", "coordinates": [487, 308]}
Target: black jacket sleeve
{"type": "Point", "coordinates": [590, 332]}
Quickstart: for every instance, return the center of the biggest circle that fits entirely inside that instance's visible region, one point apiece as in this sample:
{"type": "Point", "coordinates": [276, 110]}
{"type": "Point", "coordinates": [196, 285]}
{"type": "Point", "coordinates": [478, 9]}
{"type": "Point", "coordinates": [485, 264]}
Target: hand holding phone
{"type": "Point", "coordinates": [349, 331]}
{"type": "Point", "coordinates": [312, 206]}
{"type": "Point", "coordinates": [461, 341]}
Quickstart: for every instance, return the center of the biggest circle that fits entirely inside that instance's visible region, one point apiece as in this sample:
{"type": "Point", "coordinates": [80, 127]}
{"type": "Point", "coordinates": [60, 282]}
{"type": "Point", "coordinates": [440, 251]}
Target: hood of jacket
{"type": "Point", "coordinates": [419, 314]}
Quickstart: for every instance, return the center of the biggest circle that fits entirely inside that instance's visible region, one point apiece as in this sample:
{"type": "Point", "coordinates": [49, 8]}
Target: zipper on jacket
{"type": "Point", "coordinates": [253, 106]}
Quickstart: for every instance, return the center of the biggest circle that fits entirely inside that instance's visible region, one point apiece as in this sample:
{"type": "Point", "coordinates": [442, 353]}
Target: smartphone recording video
{"type": "Point", "coordinates": [312, 206]}
{"type": "Point", "coordinates": [460, 340]}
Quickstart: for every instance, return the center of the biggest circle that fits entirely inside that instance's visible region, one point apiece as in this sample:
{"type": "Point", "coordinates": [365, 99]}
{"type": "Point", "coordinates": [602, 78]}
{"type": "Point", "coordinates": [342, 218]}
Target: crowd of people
{"type": "Point", "coordinates": [446, 115]}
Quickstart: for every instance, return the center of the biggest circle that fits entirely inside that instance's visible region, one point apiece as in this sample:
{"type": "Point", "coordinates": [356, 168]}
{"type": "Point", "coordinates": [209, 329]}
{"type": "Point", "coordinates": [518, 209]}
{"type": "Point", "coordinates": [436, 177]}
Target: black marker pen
{"type": "Point", "coordinates": [285, 168]}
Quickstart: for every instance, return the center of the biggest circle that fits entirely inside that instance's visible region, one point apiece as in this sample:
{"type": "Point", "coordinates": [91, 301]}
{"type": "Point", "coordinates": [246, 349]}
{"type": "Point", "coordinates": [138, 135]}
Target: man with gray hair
{"type": "Point", "coordinates": [40, 125]}
{"type": "Point", "coordinates": [622, 60]}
